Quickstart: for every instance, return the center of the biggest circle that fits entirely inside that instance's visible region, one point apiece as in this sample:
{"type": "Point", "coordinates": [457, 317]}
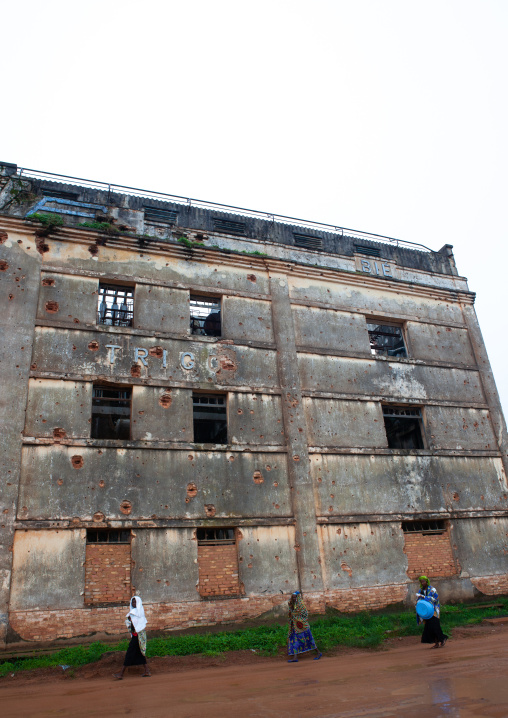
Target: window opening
{"type": "Point", "coordinates": [111, 412]}
{"type": "Point", "coordinates": [215, 536]}
{"type": "Point", "coordinates": [228, 226]}
{"type": "Point", "coordinates": [403, 427]}
{"type": "Point", "coordinates": [371, 251]}
{"type": "Point", "coordinates": [210, 419]}
{"type": "Point", "coordinates": [60, 194]}
{"type": "Point", "coordinates": [424, 527]}
{"type": "Point", "coordinates": [205, 316]}
{"type": "Point", "coordinates": [386, 340]}
{"type": "Point", "coordinates": [116, 305]}
{"type": "Point", "coordinates": [108, 536]}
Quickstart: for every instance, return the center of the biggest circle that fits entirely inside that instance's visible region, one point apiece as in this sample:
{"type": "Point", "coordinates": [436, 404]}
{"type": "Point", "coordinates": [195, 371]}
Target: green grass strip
{"type": "Point", "coordinates": [363, 630]}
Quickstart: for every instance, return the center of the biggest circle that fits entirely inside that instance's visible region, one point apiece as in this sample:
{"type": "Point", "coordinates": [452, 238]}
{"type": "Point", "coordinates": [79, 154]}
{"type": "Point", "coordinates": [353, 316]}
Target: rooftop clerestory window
{"type": "Point", "coordinates": [115, 305]}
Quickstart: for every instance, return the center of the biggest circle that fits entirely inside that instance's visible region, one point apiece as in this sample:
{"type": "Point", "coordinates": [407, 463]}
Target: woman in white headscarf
{"type": "Point", "coordinates": [136, 623]}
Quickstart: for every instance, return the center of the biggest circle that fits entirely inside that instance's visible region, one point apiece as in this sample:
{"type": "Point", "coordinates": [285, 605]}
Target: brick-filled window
{"type": "Point", "coordinates": [107, 566]}
{"type": "Point", "coordinates": [428, 549]}
{"type": "Point", "coordinates": [205, 316]}
{"type": "Point", "coordinates": [218, 562]}
{"type": "Point", "coordinates": [111, 412]}
{"type": "Point", "coordinates": [115, 305]}
{"type": "Point", "coordinates": [210, 418]}
{"type": "Point", "coordinates": [386, 340]}
{"type": "Point", "coordinates": [404, 428]}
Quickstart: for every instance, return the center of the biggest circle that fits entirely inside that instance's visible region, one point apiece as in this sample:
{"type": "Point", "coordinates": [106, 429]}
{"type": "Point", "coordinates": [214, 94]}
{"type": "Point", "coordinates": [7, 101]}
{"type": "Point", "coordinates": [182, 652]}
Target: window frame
{"type": "Point", "coordinates": [111, 387]}
{"type": "Point", "coordinates": [393, 323]}
{"type": "Point", "coordinates": [226, 413]}
{"type": "Point", "coordinates": [420, 417]}
{"type": "Point", "coordinates": [128, 321]}
{"type": "Point", "coordinates": [205, 298]}
{"type": "Point", "coordinates": [108, 531]}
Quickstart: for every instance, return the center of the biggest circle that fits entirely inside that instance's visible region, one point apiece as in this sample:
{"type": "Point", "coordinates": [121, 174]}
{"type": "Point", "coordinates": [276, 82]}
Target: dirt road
{"type": "Point", "coordinates": [468, 677]}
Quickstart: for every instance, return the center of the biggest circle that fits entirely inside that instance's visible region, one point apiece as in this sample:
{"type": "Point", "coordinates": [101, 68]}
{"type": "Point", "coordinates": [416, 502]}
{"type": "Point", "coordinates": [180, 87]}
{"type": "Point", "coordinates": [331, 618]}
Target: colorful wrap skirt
{"type": "Point", "coordinates": [300, 642]}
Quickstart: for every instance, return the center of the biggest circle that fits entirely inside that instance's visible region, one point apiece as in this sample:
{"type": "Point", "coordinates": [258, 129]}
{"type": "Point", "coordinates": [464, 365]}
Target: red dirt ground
{"type": "Point", "coordinates": [468, 677]}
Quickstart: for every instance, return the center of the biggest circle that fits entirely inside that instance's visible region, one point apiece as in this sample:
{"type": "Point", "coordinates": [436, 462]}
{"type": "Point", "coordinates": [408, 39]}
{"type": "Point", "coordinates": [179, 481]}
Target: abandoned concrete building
{"type": "Point", "coordinates": [213, 407]}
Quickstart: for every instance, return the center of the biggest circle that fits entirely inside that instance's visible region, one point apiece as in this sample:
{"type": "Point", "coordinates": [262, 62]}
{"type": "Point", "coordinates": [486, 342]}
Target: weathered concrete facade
{"type": "Point", "coordinates": [307, 491]}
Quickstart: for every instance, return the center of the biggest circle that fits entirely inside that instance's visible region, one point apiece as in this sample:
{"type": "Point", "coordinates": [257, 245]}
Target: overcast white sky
{"type": "Point", "coordinates": [388, 116]}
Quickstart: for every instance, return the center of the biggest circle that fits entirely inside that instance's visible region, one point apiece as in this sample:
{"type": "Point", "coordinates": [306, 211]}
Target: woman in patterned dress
{"type": "Point", "coordinates": [432, 632]}
{"type": "Point", "coordinates": [300, 638]}
{"type": "Point", "coordinates": [136, 623]}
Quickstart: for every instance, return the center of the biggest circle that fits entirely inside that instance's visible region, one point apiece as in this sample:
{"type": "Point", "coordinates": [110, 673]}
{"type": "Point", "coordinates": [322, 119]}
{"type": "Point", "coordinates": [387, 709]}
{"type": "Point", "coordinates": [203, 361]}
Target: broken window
{"type": "Point", "coordinates": [205, 316]}
{"type": "Point", "coordinates": [111, 412]}
{"type": "Point", "coordinates": [215, 536]}
{"type": "Point", "coordinates": [403, 427]}
{"type": "Point", "coordinates": [218, 562]}
{"type": "Point", "coordinates": [210, 419]}
{"type": "Point", "coordinates": [386, 340]}
{"type": "Point", "coordinates": [425, 527]}
{"type": "Point", "coordinates": [116, 305]}
{"type": "Point", "coordinates": [107, 566]}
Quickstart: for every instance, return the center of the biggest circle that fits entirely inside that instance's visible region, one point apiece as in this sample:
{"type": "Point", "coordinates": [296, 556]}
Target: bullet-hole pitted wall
{"type": "Point", "coordinates": [335, 392]}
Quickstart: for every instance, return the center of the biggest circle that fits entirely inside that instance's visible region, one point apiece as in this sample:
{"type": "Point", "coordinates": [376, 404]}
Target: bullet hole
{"type": "Point", "coordinates": [190, 457]}
{"type": "Point", "coordinates": [126, 507]}
{"type": "Point", "coordinates": [76, 321]}
{"type": "Point", "coordinates": [98, 517]}
{"type": "Point", "coordinates": [249, 565]}
{"type": "Point", "coordinates": [251, 277]}
{"type": "Point", "coordinates": [330, 509]}
{"type": "Point", "coordinates": [210, 510]}
{"type": "Point", "coordinates": [346, 568]}
{"type": "Point", "coordinates": [24, 508]}
{"type": "Point", "coordinates": [455, 496]}
{"type": "Point", "coordinates": [258, 477]}
{"type": "Point", "coordinates": [231, 458]}
{"type": "Point", "coordinates": [155, 352]}
{"type": "Point", "coordinates": [296, 458]}
{"type": "Point", "coordinates": [77, 462]}
{"type": "Point", "coordinates": [268, 467]}
{"type": "Point", "coordinates": [51, 307]}
{"type": "Point", "coordinates": [275, 483]}
{"type": "Point", "coordinates": [94, 250]}
{"type": "Point", "coordinates": [297, 547]}
{"type": "Point", "coordinates": [33, 366]}
{"type": "Point", "coordinates": [277, 506]}
{"type": "Point", "coordinates": [102, 483]}
{"type": "Point", "coordinates": [47, 282]}
{"type": "Point", "coordinates": [74, 347]}
{"type": "Point", "coordinates": [11, 297]}
{"type": "Point", "coordinates": [3, 237]}
{"type": "Point", "coordinates": [59, 433]}
{"type": "Point", "coordinates": [276, 558]}
{"type": "Point", "coordinates": [166, 400]}
{"type": "Point", "coordinates": [59, 482]}
{"type": "Point", "coordinates": [136, 370]}
{"type": "Point", "coordinates": [239, 411]}
{"type": "Point", "coordinates": [192, 490]}
{"type": "Point", "coordinates": [93, 346]}
{"type": "Point", "coordinates": [227, 363]}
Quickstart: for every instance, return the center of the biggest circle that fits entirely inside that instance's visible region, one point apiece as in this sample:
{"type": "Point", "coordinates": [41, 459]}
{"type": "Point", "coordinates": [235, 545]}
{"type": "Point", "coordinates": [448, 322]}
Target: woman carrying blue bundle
{"type": "Point", "coordinates": [300, 639]}
{"type": "Point", "coordinates": [432, 632]}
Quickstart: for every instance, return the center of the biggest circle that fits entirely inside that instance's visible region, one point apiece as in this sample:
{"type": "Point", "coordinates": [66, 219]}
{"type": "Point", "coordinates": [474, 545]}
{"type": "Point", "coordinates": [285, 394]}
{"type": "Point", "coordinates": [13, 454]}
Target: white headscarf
{"type": "Point", "coordinates": [137, 615]}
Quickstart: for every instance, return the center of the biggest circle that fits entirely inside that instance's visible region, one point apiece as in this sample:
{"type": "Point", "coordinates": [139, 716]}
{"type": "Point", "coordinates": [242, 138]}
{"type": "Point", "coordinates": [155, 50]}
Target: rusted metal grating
{"type": "Point", "coordinates": [228, 226]}
{"type": "Point", "coordinates": [157, 214]}
{"type": "Point", "coordinates": [371, 251]}
{"type": "Point", "coordinates": [308, 241]}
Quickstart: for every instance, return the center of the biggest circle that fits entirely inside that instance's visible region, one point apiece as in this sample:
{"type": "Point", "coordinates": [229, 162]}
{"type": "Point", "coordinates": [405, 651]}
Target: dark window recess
{"type": "Point", "coordinates": [424, 527]}
{"type": "Point", "coordinates": [307, 241]}
{"type": "Point", "coordinates": [108, 536]}
{"type": "Point", "coordinates": [111, 413]}
{"type": "Point", "coordinates": [60, 194]}
{"type": "Point", "coordinates": [371, 251]}
{"type": "Point", "coordinates": [215, 536]}
{"type": "Point", "coordinates": [210, 419]}
{"type": "Point", "coordinates": [156, 214]}
{"type": "Point", "coordinates": [205, 316]}
{"type": "Point", "coordinates": [403, 427]}
{"type": "Point", "coordinates": [228, 226]}
{"type": "Point", "coordinates": [387, 340]}
{"type": "Point", "coordinates": [115, 306]}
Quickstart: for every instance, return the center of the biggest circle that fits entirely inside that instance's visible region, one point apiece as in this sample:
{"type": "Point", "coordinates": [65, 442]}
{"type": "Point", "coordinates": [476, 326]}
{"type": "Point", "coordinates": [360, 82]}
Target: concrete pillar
{"type": "Point", "coordinates": [20, 275]}
{"type": "Point", "coordinates": [487, 379]}
{"type": "Point", "coordinates": [295, 429]}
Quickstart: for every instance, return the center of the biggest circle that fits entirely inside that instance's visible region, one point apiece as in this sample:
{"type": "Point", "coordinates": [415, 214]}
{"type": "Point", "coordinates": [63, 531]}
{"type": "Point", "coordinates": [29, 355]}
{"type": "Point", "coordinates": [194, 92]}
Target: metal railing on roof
{"type": "Point", "coordinates": [228, 209]}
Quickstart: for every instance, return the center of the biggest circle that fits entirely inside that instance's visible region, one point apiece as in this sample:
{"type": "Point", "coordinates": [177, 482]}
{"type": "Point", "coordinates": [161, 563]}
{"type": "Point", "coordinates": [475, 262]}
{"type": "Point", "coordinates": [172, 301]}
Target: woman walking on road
{"type": "Point", "coordinates": [136, 623]}
{"type": "Point", "coordinates": [300, 638]}
{"type": "Point", "coordinates": [432, 632]}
